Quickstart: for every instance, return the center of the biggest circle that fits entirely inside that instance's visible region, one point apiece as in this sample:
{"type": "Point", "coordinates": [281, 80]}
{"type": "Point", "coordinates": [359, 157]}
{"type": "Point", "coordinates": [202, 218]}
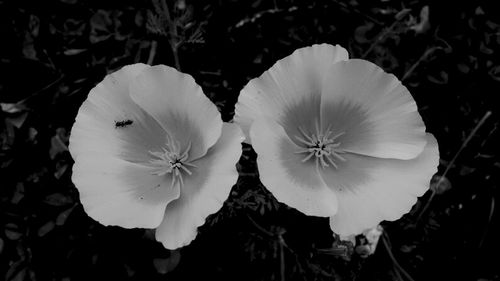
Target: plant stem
{"type": "Point", "coordinates": [394, 261]}
{"type": "Point", "coordinates": [417, 63]}
{"type": "Point", "coordinates": [152, 52]}
{"type": "Point", "coordinates": [383, 34]}
{"type": "Point", "coordinates": [282, 260]}
{"type": "Point", "coordinates": [172, 40]}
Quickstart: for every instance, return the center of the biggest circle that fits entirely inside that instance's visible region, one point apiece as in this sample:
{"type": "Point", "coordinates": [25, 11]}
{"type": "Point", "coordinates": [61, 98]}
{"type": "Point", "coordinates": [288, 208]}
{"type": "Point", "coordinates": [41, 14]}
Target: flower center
{"type": "Point", "coordinates": [171, 160]}
{"type": "Point", "coordinates": [323, 145]}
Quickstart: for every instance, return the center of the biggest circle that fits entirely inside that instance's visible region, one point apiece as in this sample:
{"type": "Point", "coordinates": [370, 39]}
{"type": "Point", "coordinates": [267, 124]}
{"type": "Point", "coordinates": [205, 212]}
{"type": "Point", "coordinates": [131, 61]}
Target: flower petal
{"type": "Point", "coordinates": [97, 126]}
{"type": "Point", "coordinates": [282, 89]}
{"type": "Point", "coordinates": [370, 190]}
{"type": "Point", "coordinates": [179, 105]}
{"type": "Point", "coordinates": [117, 192]}
{"type": "Point", "coordinates": [293, 182]}
{"type": "Point", "coordinates": [203, 192]}
{"type": "Point", "coordinates": [376, 112]}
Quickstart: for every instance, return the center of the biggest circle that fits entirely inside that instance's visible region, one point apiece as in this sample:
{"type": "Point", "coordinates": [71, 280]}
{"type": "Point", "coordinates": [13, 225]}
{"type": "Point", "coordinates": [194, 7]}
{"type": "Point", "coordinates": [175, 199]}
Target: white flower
{"type": "Point", "coordinates": [151, 151]}
{"type": "Point", "coordinates": [337, 137]}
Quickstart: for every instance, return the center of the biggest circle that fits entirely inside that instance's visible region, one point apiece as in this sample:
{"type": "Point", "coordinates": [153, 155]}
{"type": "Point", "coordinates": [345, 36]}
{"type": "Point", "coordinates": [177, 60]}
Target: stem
{"type": "Point", "coordinates": [152, 52]}
{"type": "Point", "coordinates": [414, 66]}
{"type": "Point", "coordinates": [490, 217]}
{"type": "Point", "coordinates": [280, 241]}
{"type": "Point", "coordinates": [173, 35]}
{"type": "Point", "coordinates": [41, 90]}
{"type": "Point", "coordinates": [383, 34]}
{"type": "Point", "coordinates": [282, 259]}
{"type": "Point", "coordinates": [290, 9]}
{"type": "Point", "coordinates": [260, 227]}
{"type": "Point", "coordinates": [358, 12]}
{"type": "Point", "coordinates": [427, 204]}
{"type": "Point", "coordinates": [395, 262]}
{"type": "Point", "coordinates": [176, 57]}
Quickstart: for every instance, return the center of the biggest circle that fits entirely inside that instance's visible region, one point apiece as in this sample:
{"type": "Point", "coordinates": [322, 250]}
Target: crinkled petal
{"type": "Point", "coordinates": [110, 123]}
{"type": "Point", "coordinates": [377, 113]}
{"type": "Point", "coordinates": [370, 190]}
{"type": "Point", "coordinates": [203, 192]}
{"type": "Point", "coordinates": [280, 92]}
{"type": "Point", "coordinates": [180, 106]}
{"type": "Point", "coordinates": [118, 192]}
{"type": "Point", "coordinates": [293, 182]}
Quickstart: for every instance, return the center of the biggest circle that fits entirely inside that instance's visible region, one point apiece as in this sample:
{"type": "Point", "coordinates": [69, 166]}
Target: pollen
{"type": "Point", "coordinates": [172, 160]}
{"type": "Point", "coordinates": [322, 145]}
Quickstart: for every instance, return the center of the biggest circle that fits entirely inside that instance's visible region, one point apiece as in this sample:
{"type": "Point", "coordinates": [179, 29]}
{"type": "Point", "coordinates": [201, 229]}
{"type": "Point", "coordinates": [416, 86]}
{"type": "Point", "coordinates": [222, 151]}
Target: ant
{"type": "Point", "coordinates": [123, 124]}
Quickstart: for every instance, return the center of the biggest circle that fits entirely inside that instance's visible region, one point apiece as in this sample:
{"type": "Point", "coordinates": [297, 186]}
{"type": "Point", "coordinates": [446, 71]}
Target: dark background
{"type": "Point", "coordinates": [53, 52]}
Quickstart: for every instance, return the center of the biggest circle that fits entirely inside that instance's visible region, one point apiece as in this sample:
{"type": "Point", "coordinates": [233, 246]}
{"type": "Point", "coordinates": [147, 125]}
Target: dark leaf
{"type": "Point", "coordinates": [440, 184]}
{"type": "Point", "coordinates": [18, 193]}
{"type": "Point", "coordinates": [58, 199]}
{"type": "Point", "coordinates": [440, 78]}
{"type": "Point", "coordinates": [60, 170]}
{"type": "Point", "coordinates": [423, 25]}
{"type": "Point", "coordinates": [13, 107]}
{"type": "Point", "coordinates": [12, 231]}
{"type": "Point", "coordinates": [17, 121]}
{"type": "Point", "coordinates": [63, 216]}
{"type": "Point", "coordinates": [72, 52]}
{"type": "Point", "coordinates": [462, 67]}
{"type": "Point", "coordinates": [46, 228]}
{"type": "Point", "coordinates": [16, 272]}
{"type": "Point", "coordinates": [360, 34]}
{"type": "Point", "coordinates": [164, 266]}
{"type": "Point", "coordinates": [58, 144]}
{"type": "Point", "coordinates": [495, 72]}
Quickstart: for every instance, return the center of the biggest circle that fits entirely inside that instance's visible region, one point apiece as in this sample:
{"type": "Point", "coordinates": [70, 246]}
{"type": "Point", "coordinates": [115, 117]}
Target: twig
{"type": "Point", "coordinates": [263, 230]}
{"type": "Point", "coordinates": [152, 52]}
{"type": "Point", "coordinates": [281, 244]}
{"type": "Point", "coordinates": [385, 237]}
{"type": "Point", "coordinates": [276, 10]}
{"type": "Point", "coordinates": [384, 33]}
{"type": "Point", "coordinates": [417, 63]}
{"type": "Point", "coordinates": [258, 15]}
{"type": "Point", "coordinates": [173, 35]}
{"type": "Point", "coordinates": [490, 217]}
{"type": "Point", "coordinates": [452, 162]}
{"type": "Point", "coordinates": [491, 133]}
{"type": "Point", "coordinates": [282, 259]}
{"type": "Point", "coordinates": [358, 12]}
{"type": "Point", "coordinates": [427, 53]}
{"type": "Point", "coordinates": [41, 90]}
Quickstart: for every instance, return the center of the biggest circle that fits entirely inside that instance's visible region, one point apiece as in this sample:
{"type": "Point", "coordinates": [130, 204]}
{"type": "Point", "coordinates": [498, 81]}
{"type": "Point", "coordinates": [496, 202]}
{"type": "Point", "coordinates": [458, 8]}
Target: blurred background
{"type": "Point", "coordinates": [53, 52]}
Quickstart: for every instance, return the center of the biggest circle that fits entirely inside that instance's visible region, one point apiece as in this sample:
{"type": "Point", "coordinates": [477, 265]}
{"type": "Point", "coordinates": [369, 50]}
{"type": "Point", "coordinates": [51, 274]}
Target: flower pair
{"type": "Point", "coordinates": [334, 137]}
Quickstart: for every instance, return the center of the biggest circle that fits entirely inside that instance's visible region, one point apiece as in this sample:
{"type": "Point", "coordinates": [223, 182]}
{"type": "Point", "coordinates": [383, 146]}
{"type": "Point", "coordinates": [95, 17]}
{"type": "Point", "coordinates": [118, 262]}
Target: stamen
{"type": "Point", "coordinates": [322, 145]}
{"type": "Point", "coordinates": [331, 162]}
{"type": "Point", "coordinates": [311, 154]}
{"type": "Point", "coordinates": [172, 161]}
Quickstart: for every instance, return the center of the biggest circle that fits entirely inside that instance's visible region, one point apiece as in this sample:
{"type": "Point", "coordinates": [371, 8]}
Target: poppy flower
{"type": "Point", "coordinates": [151, 151]}
{"type": "Point", "coordinates": [337, 137]}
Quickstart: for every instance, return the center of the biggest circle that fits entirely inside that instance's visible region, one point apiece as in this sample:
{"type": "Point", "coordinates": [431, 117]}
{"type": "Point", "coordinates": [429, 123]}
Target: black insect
{"type": "Point", "coordinates": [123, 124]}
